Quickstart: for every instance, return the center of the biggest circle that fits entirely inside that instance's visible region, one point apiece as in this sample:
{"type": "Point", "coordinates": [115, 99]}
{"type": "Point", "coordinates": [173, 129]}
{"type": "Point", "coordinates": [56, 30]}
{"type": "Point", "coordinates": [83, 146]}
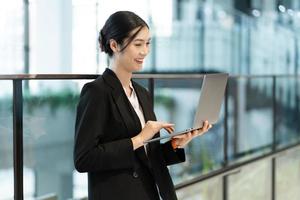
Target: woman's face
{"type": "Point", "coordinates": [133, 56]}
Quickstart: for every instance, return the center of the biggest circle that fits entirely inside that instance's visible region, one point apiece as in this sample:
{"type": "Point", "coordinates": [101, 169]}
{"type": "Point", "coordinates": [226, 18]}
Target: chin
{"type": "Point", "coordinates": [138, 68]}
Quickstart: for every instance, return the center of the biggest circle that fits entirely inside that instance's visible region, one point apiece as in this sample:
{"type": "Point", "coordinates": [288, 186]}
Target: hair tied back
{"type": "Point", "coordinates": [102, 41]}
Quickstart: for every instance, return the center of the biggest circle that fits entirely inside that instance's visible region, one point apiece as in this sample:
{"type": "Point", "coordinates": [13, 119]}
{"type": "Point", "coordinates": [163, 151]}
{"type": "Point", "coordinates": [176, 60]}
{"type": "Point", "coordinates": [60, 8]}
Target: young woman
{"type": "Point", "coordinates": [115, 116]}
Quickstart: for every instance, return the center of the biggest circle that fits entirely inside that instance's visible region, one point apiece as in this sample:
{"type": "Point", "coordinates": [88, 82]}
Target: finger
{"type": "Point", "coordinates": [184, 136]}
{"type": "Point", "coordinates": [170, 130]}
{"type": "Point", "coordinates": [195, 133]}
{"type": "Point", "coordinates": [205, 127]}
{"type": "Point", "coordinates": [166, 125]}
{"type": "Point", "coordinates": [208, 125]}
{"type": "Point", "coordinates": [205, 124]}
{"type": "Point", "coordinates": [204, 130]}
{"type": "Point", "coordinates": [175, 141]}
{"type": "Point", "coordinates": [200, 132]}
{"type": "Point", "coordinates": [180, 136]}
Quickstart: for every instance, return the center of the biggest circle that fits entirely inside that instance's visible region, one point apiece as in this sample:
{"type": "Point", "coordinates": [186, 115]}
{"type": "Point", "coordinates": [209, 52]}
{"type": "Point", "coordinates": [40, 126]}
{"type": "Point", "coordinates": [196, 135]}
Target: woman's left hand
{"type": "Point", "coordinates": [181, 141]}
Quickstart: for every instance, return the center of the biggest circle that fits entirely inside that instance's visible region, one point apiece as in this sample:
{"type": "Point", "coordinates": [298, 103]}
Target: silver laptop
{"type": "Point", "coordinates": [209, 105]}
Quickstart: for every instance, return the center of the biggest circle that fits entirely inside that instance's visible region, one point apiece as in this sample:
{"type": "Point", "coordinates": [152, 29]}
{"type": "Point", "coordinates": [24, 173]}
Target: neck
{"type": "Point", "coordinates": [123, 75]}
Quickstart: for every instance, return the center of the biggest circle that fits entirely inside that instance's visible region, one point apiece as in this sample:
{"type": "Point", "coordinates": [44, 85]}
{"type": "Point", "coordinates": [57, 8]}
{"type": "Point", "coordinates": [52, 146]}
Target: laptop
{"type": "Point", "coordinates": [209, 104]}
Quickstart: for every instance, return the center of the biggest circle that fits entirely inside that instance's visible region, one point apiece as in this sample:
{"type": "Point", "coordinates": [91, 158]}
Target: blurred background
{"type": "Point", "coordinates": [255, 41]}
{"type": "Point", "coordinates": [237, 36]}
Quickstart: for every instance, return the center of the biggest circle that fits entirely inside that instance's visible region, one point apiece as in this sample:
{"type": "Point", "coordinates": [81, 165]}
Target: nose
{"type": "Point", "coordinates": [144, 51]}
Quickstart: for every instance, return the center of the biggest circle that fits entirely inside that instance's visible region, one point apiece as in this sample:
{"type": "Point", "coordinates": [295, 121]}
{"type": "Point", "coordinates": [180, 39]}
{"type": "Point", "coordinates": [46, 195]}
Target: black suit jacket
{"type": "Point", "coordinates": [105, 124]}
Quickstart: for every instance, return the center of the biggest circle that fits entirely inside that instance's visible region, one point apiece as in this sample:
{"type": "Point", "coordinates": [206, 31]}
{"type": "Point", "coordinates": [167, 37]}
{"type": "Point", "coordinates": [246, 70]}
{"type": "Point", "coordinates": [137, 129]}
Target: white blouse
{"type": "Point", "coordinates": [136, 106]}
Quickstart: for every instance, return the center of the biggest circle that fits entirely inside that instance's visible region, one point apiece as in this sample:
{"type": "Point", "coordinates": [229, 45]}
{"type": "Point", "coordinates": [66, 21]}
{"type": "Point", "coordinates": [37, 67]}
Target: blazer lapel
{"type": "Point", "coordinates": [121, 101]}
{"type": "Point", "coordinates": [146, 105]}
{"type": "Point", "coordinates": [148, 113]}
{"type": "Point", "coordinates": [126, 110]}
{"type": "Point", "coordinates": [144, 102]}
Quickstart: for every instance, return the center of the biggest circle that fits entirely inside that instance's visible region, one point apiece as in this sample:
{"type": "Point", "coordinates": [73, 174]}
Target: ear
{"type": "Point", "coordinates": [114, 45]}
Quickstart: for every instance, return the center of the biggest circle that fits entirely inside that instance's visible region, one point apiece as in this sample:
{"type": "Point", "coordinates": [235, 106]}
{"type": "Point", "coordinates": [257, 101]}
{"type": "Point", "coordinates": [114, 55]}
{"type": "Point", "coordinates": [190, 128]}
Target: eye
{"type": "Point", "coordinates": [138, 44]}
{"type": "Point", "coordinates": [148, 43]}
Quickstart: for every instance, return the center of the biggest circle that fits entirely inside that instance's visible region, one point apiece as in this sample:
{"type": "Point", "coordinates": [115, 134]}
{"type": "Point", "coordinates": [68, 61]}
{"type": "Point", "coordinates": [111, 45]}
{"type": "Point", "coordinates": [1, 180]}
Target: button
{"type": "Point", "coordinates": [135, 175]}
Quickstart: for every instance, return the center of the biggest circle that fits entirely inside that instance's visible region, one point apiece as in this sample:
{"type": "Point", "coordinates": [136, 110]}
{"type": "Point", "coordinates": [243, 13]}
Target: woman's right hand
{"type": "Point", "coordinates": [150, 129]}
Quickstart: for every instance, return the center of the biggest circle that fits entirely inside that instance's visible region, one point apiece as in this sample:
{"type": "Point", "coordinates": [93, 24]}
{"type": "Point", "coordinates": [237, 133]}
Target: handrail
{"type": "Point", "coordinates": [139, 76]}
{"type": "Point", "coordinates": [47, 76]}
{"type": "Point", "coordinates": [227, 169]}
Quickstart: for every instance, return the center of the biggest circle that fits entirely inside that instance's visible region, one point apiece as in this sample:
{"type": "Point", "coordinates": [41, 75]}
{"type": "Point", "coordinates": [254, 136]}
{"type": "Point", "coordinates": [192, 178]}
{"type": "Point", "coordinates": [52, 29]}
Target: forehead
{"type": "Point", "coordinates": [143, 34]}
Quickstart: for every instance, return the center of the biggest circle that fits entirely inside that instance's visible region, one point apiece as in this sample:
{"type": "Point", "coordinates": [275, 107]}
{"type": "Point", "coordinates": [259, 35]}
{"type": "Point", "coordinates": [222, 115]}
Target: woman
{"type": "Point", "coordinates": [114, 118]}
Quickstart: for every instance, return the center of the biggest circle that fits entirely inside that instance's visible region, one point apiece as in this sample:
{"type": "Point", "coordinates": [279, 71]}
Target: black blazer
{"type": "Point", "coordinates": [105, 124]}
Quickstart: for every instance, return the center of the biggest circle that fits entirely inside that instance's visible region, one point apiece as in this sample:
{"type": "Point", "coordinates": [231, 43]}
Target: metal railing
{"type": "Point", "coordinates": [227, 168]}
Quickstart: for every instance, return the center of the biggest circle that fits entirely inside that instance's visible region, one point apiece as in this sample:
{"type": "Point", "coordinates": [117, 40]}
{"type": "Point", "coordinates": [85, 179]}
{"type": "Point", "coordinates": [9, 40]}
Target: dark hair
{"type": "Point", "coordinates": [118, 27]}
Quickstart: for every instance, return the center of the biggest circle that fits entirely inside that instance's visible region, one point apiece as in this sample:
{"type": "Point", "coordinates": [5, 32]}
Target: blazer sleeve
{"type": "Point", "coordinates": [172, 156]}
{"type": "Point", "coordinates": [89, 153]}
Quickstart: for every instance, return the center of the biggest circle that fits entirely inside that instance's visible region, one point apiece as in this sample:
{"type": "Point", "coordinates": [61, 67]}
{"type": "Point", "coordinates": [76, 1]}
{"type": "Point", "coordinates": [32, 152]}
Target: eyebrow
{"type": "Point", "coordinates": [141, 40]}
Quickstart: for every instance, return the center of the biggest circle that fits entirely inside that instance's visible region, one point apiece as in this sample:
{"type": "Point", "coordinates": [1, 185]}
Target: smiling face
{"type": "Point", "coordinates": [131, 58]}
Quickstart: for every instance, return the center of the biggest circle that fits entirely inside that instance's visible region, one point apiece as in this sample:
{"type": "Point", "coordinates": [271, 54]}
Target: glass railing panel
{"type": "Point", "coordinates": [287, 175]}
{"type": "Point", "coordinates": [170, 52]}
{"type": "Point", "coordinates": [13, 37]}
{"type": "Point", "coordinates": [6, 141]}
{"type": "Point", "coordinates": [49, 117]}
{"type": "Point", "coordinates": [176, 101]}
{"type": "Point", "coordinates": [49, 120]}
{"type": "Point", "coordinates": [252, 182]}
{"type": "Point", "coordinates": [287, 111]}
{"type": "Point", "coordinates": [211, 189]}
{"type": "Point", "coordinates": [250, 117]}
{"type": "Point", "coordinates": [143, 82]}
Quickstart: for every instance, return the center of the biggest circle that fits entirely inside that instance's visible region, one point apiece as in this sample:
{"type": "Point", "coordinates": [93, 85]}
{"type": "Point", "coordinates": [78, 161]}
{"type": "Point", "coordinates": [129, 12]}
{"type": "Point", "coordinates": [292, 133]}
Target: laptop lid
{"type": "Point", "coordinates": [211, 98]}
{"type": "Point", "coordinates": [209, 104]}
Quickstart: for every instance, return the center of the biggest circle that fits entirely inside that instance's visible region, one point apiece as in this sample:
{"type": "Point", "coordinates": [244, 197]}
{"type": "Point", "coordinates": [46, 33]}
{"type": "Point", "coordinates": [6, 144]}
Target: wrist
{"type": "Point", "coordinates": [137, 142]}
{"type": "Point", "coordinates": [174, 144]}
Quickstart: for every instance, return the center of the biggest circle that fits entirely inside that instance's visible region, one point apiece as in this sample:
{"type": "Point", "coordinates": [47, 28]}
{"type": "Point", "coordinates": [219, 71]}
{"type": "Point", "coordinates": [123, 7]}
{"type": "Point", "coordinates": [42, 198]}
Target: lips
{"type": "Point", "coordinates": [139, 60]}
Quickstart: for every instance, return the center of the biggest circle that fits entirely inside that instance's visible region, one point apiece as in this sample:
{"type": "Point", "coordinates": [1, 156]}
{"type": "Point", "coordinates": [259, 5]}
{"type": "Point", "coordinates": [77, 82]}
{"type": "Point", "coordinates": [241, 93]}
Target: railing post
{"type": "Point", "coordinates": [273, 164]}
{"type": "Point", "coordinates": [26, 41]}
{"type": "Point", "coordinates": [18, 139]}
{"type": "Point", "coordinates": [225, 144]}
{"type": "Point", "coordinates": [225, 148]}
{"type": "Point", "coordinates": [151, 88]}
